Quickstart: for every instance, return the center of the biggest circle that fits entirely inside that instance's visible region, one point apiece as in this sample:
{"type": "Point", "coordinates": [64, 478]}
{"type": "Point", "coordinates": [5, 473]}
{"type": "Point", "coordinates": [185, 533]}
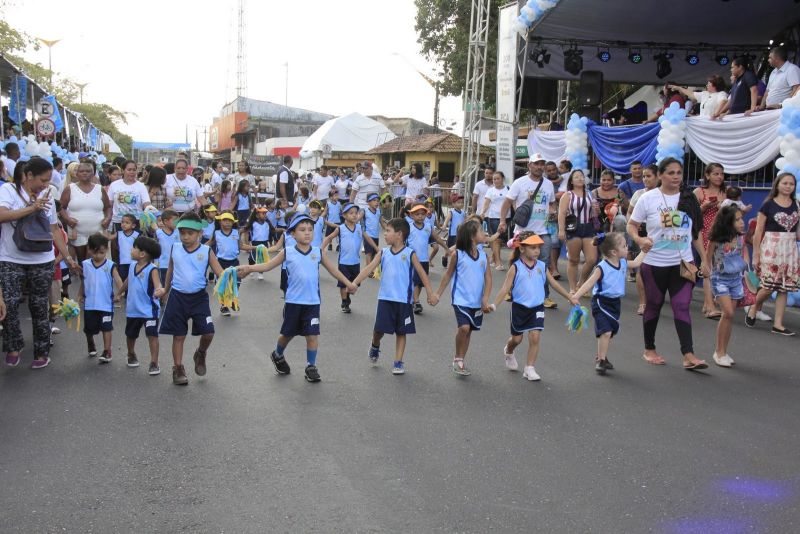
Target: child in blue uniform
{"type": "Point", "coordinates": [333, 213]}
{"type": "Point", "coordinates": [472, 284]}
{"type": "Point", "coordinates": [301, 312]}
{"type": "Point", "coordinates": [351, 236]}
{"type": "Point", "coordinates": [225, 245]}
{"type": "Point", "coordinates": [419, 237]}
{"type": "Point", "coordinates": [315, 212]}
{"type": "Point", "coordinates": [210, 213]}
{"type": "Point", "coordinates": [188, 299]}
{"type": "Point", "coordinates": [125, 237]}
{"type": "Point", "coordinates": [285, 241]}
{"type": "Point", "coordinates": [607, 283]}
{"type": "Point", "coordinates": [99, 277]}
{"type": "Point", "coordinates": [258, 231]}
{"type": "Point", "coordinates": [395, 314]}
{"type": "Point", "coordinates": [525, 280]}
{"type": "Point", "coordinates": [242, 206]}
{"type": "Point", "coordinates": [166, 236]}
{"type": "Point", "coordinates": [372, 226]}
{"type": "Point", "coordinates": [143, 306]}
{"type": "Point", "coordinates": [454, 219]}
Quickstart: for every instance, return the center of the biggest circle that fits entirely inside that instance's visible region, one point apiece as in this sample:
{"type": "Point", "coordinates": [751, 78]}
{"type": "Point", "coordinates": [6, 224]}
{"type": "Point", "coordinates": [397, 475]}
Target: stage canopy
{"type": "Point", "coordinates": [680, 27]}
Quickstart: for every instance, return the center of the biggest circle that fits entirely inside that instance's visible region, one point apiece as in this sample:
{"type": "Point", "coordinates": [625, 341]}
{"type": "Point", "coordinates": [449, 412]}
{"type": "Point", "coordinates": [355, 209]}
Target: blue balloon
{"type": "Point", "coordinates": [13, 139]}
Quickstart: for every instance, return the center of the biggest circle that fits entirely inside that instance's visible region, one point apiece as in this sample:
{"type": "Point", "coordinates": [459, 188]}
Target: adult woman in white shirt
{"type": "Point", "coordinates": [85, 208]}
{"type": "Point", "coordinates": [416, 183]}
{"type": "Point", "coordinates": [492, 202]}
{"type": "Point", "coordinates": [711, 99]}
{"type": "Point", "coordinates": [28, 196]}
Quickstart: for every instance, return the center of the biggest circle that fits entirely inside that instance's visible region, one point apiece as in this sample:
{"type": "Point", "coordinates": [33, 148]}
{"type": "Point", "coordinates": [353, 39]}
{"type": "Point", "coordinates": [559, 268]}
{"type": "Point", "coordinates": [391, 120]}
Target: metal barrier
{"type": "Point", "coordinates": [694, 171]}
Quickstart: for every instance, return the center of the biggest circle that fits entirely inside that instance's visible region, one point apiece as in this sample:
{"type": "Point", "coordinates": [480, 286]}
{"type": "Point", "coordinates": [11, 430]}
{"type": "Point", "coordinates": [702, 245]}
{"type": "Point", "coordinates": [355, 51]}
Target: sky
{"type": "Point", "coordinates": [172, 63]}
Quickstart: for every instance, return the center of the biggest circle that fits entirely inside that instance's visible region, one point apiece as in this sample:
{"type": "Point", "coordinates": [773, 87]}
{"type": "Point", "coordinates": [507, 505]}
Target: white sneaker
{"type": "Point", "coordinates": [530, 374]}
{"type": "Point", "coordinates": [729, 360]}
{"type": "Point", "coordinates": [55, 330]}
{"type": "Point", "coordinates": [721, 360]}
{"type": "Point", "coordinates": [260, 276]}
{"type": "Point", "coordinates": [511, 361]}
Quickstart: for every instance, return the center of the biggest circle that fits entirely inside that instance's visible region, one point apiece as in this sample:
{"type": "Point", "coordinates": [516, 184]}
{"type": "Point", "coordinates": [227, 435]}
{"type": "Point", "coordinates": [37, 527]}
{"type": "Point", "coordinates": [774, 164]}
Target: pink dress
{"type": "Point", "coordinates": [225, 201]}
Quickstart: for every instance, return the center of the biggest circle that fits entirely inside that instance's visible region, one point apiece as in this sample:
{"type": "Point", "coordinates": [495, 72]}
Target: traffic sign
{"type": "Point", "coordinates": [45, 127]}
{"type": "Point", "coordinates": [44, 109]}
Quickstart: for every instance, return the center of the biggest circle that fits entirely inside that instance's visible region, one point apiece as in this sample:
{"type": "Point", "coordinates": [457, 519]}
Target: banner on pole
{"type": "Point", "coordinates": [55, 116]}
{"type": "Point", "coordinates": [19, 99]}
{"type": "Point", "coordinates": [506, 91]}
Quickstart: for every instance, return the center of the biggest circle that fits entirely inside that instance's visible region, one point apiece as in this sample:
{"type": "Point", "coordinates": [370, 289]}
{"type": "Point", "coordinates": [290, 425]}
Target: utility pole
{"type": "Point", "coordinates": [49, 43]}
{"type": "Point", "coordinates": [241, 53]}
{"type": "Point", "coordinates": [286, 98]}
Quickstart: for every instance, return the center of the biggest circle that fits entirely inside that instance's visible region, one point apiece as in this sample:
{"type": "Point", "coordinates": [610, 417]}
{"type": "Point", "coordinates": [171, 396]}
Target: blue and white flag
{"type": "Point", "coordinates": [56, 116]}
{"type": "Point", "coordinates": [19, 99]}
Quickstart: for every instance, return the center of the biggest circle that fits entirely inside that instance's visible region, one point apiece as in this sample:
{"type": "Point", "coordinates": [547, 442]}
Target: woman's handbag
{"type": "Point", "coordinates": [689, 271]}
{"type": "Point", "coordinates": [32, 232]}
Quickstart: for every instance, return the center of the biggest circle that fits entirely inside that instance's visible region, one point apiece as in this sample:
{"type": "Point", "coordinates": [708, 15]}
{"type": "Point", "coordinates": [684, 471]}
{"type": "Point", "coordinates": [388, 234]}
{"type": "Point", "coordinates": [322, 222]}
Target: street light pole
{"type": "Point", "coordinates": [49, 43]}
{"type": "Point", "coordinates": [81, 86]}
{"type": "Point", "coordinates": [286, 98]}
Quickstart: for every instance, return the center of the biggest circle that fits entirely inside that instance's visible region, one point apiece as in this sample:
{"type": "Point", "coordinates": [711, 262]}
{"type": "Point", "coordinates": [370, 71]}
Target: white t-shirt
{"type": "Point", "coordinates": [10, 199]}
{"type": "Point", "coordinates": [521, 189]}
{"type": "Point", "coordinates": [414, 186]}
{"type": "Point", "coordinates": [480, 189]}
{"type": "Point", "coordinates": [10, 166]}
{"type": "Point", "coordinates": [710, 102]}
{"type": "Point", "coordinates": [341, 186]}
{"type": "Point", "coordinates": [216, 179]}
{"type": "Point", "coordinates": [670, 230]}
{"type": "Point", "coordinates": [238, 178]}
{"type": "Point", "coordinates": [364, 186]}
{"type": "Point", "coordinates": [127, 198]}
{"type": "Point", "coordinates": [183, 193]}
{"type": "Point", "coordinates": [495, 197]}
{"type": "Point", "coordinates": [323, 184]}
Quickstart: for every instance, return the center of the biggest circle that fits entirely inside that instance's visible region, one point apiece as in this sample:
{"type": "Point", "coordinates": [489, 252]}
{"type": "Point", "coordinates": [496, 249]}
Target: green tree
{"type": "Point", "coordinates": [443, 30]}
{"type": "Point", "coordinates": [14, 42]}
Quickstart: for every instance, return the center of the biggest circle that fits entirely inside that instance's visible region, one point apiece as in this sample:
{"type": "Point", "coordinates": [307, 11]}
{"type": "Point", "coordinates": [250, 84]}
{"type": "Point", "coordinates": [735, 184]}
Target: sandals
{"type": "Point", "coordinates": [696, 366]}
{"type": "Point", "coordinates": [654, 360]}
{"type": "Point", "coordinates": [716, 314]}
{"type": "Point", "coordinates": [640, 310]}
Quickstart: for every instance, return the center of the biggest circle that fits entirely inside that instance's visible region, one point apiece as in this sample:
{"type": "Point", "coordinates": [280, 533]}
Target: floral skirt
{"type": "Point", "coordinates": [779, 269]}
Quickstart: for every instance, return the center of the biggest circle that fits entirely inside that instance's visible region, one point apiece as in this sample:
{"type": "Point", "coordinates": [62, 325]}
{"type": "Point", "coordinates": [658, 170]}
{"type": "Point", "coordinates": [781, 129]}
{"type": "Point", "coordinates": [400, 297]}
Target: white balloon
{"type": "Point", "coordinates": [791, 155]}
{"type": "Point", "coordinates": [780, 163]}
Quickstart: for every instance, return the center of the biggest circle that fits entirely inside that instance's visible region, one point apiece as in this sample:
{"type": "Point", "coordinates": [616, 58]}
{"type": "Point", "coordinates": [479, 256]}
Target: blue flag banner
{"type": "Point", "coordinates": [19, 99]}
{"type": "Point", "coordinates": [92, 136]}
{"type": "Point", "coordinates": [56, 116]}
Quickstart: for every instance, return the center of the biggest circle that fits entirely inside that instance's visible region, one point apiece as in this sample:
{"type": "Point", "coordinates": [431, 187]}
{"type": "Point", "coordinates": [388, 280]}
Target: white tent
{"type": "Point", "coordinates": [349, 133]}
{"type": "Point", "coordinates": [113, 147]}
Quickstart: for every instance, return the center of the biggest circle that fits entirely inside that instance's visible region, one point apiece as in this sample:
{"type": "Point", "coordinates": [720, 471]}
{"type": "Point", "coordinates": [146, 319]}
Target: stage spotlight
{"type": "Point", "coordinates": [573, 62]}
{"type": "Point", "coordinates": [604, 55]}
{"type": "Point", "coordinates": [723, 59]}
{"type": "Point", "coordinates": [635, 57]}
{"type": "Point", "coordinates": [663, 66]}
{"type": "Point", "coordinates": [692, 58]}
{"type": "Point", "coordinates": [540, 56]}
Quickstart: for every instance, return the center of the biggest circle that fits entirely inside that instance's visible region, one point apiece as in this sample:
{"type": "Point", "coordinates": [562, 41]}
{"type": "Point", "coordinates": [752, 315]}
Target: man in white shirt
{"type": "Point", "coordinates": [520, 191]}
{"type": "Point", "coordinates": [286, 185]}
{"type": "Point", "coordinates": [216, 176]}
{"type": "Point", "coordinates": [322, 184]}
{"type": "Point", "coordinates": [12, 155]}
{"type": "Point", "coordinates": [367, 182]}
{"type": "Point", "coordinates": [480, 189]}
{"type": "Point", "coordinates": [784, 81]}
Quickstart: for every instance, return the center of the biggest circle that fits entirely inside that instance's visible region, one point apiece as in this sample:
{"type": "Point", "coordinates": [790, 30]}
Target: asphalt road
{"type": "Point", "coordinates": [90, 448]}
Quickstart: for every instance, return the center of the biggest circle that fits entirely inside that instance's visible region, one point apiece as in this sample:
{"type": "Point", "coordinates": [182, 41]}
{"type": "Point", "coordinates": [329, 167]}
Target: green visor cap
{"type": "Point", "coordinates": [192, 225]}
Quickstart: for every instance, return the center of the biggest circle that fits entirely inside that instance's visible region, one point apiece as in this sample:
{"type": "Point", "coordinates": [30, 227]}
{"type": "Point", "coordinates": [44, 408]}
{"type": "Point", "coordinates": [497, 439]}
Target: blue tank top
{"type": "Point", "coordinates": [141, 304]}
{"type": "Point", "coordinates": [468, 279]}
{"type": "Point", "coordinates": [430, 220]}
{"type": "Point", "coordinates": [259, 231]}
{"type": "Point", "coordinates": [98, 285]}
{"type": "Point", "coordinates": [227, 245]}
{"type": "Point", "coordinates": [208, 231]}
{"type": "Point", "coordinates": [189, 268]}
{"type": "Point", "coordinates": [302, 272]}
{"type": "Point", "coordinates": [334, 212]}
{"type": "Point", "coordinates": [612, 281]}
{"type": "Point", "coordinates": [244, 202]}
{"type": "Point", "coordinates": [456, 218]}
{"type": "Point", "coordinates": [396, 275]}
{"type": "Point", "coordinates": [125, 245]}
{"type": "Point", "coordinates": [272, 217]}
{"type": "Point", "coordinates": [319, 232]}
{"type": "Point", "coordinates": [350, 245]}
{"type": "Point", "coordinates": [528, 288]}
{"type": "Point", "coordinates": [166, 241]}
{"type": "Point", "coordinates": [419, 239]}
{"type": "Point", "coordinates": [372, 222]}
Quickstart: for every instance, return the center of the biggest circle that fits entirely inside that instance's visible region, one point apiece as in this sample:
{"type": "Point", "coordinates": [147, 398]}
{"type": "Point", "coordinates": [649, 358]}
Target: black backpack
{"type": "Point", "coordinates": [522, 215]}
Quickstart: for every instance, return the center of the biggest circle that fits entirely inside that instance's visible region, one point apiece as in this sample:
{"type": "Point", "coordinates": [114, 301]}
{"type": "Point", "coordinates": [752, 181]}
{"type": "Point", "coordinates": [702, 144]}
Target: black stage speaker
{"type": "Point", "coordinates": [590, 90]}
{"type": "Point", "coordinates": [540, 93]}
{"type": "Point", "coordinates": [591, 112]}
